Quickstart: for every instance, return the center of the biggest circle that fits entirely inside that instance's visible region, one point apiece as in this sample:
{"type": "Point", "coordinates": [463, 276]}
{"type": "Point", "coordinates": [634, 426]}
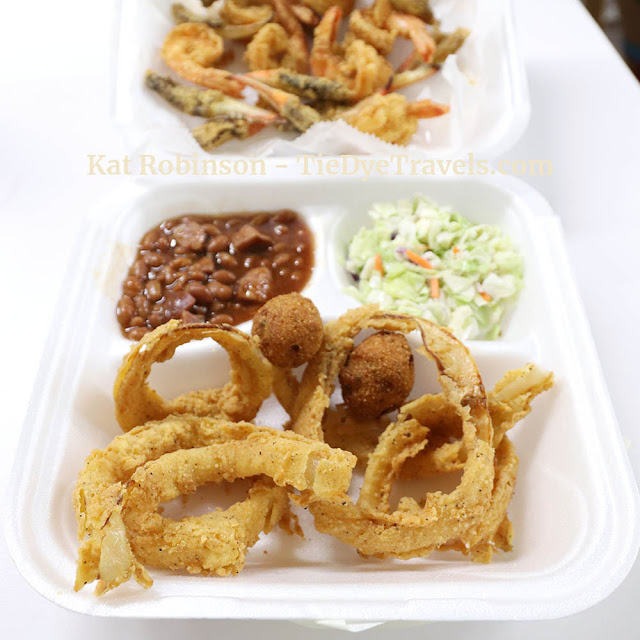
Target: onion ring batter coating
{"type": "Point", "coordinates": [312, 398]}
{"type": "Point", "coordinates": [473, 518]}
{"type": "Point", "coordinates": [495, 531]}
{"type": "Point", "coordinates": [240, 399]}
{"type": "Point", "coordinates": [344, 431]}
{"type": "Point", "coordinates": [319, 379]}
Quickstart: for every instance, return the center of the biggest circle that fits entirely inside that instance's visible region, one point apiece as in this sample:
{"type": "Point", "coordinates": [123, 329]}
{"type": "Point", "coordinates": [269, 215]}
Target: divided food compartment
{"type": "Point", "coordinates": [485, 85]}
{"type": "Point", "coordinates": [575, 510]}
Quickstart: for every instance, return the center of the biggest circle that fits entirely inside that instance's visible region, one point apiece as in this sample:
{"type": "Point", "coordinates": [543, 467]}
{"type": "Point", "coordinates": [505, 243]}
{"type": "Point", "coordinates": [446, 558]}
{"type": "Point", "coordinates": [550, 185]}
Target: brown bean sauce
{"type": "Point", "coordinates": [217, 269]}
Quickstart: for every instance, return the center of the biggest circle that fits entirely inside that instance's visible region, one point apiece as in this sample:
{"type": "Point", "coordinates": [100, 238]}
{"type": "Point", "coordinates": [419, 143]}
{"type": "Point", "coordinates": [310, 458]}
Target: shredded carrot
{"type": "Point", "coordinates": [486, 296]}
{"type": "Point", "coordinates": [419, 260]}
{"type": "Point", "coordinates": [435, 287]}
{"type": "Point", "coordinates": [377, 263]}
{"type": "Point", "coordinates": [455, 249]}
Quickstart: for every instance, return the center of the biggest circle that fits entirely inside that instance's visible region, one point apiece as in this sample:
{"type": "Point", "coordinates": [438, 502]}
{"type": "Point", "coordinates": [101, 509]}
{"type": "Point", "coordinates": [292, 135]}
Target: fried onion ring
{"type": "Point", "coordinates": [443, 518]}
{"type": "Point", "coordinates": [100, 482]}
{"type": "Point", "coordinates": [97, 493]}
{"type": "Point", "coordinates": [121, 487]}
{"type": "Point", "coordinates": [433, 434]}
{"type": "Point", "coordinates": [509, 402]}
{"type": "Point", "coordinates": [240, 399]}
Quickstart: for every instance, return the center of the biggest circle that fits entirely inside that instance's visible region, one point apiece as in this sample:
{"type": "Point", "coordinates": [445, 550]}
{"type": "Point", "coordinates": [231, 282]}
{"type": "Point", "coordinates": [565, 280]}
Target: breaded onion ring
{"type": "Point", "coordinates": [240, 399]}
{"type": "Point", "coordinates": [457, 429]}
{"type": "Point", "coordinates": [443, 518]}
{"type": "Point", "coordinates": [99, 485]}
{"type": "Point", "coordinates": [509, 402]}
{"type": "Point", "coordinates": [125, 529]}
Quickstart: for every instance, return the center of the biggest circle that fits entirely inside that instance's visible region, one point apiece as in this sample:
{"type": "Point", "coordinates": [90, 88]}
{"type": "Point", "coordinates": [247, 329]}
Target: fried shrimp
{"type": "Point", "coordinates": [360, 68]}
{"type": "Point", "coordinates": [289, 330]}
{"type": "Point", "coordinates": [414, 29]}
{"type": "Point", "coordinates": [379, 25]}
{"type": "Point", "coordinates": [303, 83]}
{"type": "Point", "coordinates": [322, 6]}
{"type": "Point", "coordinates": [271, 48]}
{"type": "Point", "coordinates": [410, 73]}
{"type": "Point", "coordinates": [391, 117]}
{"type": "Point", "coordinates": [369, 25]}
{"type": "Point", "coordinates": [298, 40]}
{"type": "Point", "coordinates": [378, 375]}
{"type": "Point", "coordinates": [324, 54]}
{"type": "Point", "coordinates": [363, 70]}
{"type": "Point", "coordinates": [245, 11]}
{"type": "Point", "coordinates": [227, 31]}
{"type": "Point", "coordinates": [446, 44]}
{"type": "Point", "coordinates": [191, 49]}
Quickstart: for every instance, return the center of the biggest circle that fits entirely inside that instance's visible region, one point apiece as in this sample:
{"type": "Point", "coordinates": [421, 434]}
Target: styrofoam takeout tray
{"type": "Point", "coordinates": [575, 510]}
{"type": "Point", "coordinates": [484, 84]}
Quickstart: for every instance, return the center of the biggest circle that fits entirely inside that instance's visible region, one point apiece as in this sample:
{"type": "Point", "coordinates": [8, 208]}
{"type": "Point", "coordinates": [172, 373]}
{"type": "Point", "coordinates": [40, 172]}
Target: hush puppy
{"type": "Point", "coordinates": [289, 329]}
{"type": "Point", "coordinates": [378, 376]}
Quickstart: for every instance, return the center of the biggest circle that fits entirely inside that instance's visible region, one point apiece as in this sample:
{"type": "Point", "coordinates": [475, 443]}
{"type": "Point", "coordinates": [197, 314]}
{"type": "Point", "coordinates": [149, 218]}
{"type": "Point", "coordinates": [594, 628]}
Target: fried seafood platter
{"type": "Point", "coordinates": [170, 449]}
{"type": "Point", "coordinates": [238, 67]}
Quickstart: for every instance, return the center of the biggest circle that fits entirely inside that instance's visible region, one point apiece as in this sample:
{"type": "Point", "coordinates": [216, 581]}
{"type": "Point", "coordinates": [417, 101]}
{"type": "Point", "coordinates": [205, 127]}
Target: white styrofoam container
{"type": "Point", "coordinates": [485, 85]}
{"type": "Point", "coordinates": [575, 510]}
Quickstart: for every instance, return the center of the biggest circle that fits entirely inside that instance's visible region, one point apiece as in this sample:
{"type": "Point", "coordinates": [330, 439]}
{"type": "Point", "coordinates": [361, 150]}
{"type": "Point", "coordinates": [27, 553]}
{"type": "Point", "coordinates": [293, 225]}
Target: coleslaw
{"type": "Point", "coordinates": [428, 261]}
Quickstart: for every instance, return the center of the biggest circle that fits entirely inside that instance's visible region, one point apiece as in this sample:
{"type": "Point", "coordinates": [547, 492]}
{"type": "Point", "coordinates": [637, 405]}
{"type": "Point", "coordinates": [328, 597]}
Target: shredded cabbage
{"type": "Point", "coordinates": [478, 271]}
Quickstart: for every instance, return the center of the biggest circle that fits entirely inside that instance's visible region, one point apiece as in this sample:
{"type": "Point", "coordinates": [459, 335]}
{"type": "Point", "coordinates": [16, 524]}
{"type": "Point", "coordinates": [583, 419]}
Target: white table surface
{"type": "Point", "coordinates": [55, 73]}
